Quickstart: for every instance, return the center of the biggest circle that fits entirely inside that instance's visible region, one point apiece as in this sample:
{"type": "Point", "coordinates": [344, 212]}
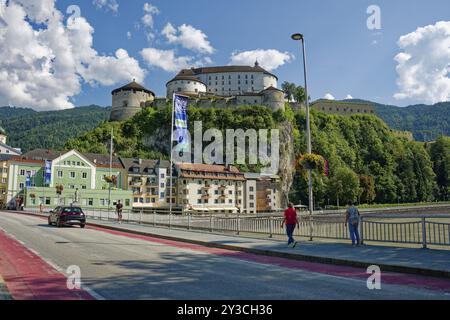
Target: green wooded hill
{"type": "Point", "coordinates": [28, 129]}
{"type": "Point", "coordinates": [426, 122]}
{"type": "Point", "coordinates": [366, 160]}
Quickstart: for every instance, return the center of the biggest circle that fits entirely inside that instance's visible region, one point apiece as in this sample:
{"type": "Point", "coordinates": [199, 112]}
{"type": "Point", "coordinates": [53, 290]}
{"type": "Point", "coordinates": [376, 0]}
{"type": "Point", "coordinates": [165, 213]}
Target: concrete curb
{"type": "Point", "coordinates": [292, 256]}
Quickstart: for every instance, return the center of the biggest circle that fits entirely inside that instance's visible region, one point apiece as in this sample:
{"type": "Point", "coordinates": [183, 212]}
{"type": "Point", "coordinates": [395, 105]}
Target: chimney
{"type": "Point", "coordinates": [140, 161]}
{"type": "Point", "coordinates": [95, 160]}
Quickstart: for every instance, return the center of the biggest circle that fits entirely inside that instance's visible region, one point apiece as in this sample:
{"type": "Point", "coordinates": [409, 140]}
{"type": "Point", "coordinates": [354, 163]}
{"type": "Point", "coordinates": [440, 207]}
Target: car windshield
{"type": "Point", "coordinates": [74, 210]}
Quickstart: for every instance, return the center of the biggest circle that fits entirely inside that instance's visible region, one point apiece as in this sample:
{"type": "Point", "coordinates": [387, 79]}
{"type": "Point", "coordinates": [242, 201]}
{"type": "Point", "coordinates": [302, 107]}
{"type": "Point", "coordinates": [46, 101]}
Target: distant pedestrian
{"type": "Point", "coordinates": [119, 207]}
{"type": "Point", "coordinates": [352, 218]}
{"type": "Point", "coordinates": [290, 220]}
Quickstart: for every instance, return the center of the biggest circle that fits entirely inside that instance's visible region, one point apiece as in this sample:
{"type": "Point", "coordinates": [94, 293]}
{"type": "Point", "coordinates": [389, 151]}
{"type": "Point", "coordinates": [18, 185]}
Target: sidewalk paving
{"type": "Point", "coordinates": [406, 260]}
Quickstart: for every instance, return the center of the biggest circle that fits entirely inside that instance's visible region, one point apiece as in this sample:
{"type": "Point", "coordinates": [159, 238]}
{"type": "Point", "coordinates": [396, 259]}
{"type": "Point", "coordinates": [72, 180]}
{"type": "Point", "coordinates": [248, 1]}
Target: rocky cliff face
{"type": "Point", "coordinates": [287, 158]}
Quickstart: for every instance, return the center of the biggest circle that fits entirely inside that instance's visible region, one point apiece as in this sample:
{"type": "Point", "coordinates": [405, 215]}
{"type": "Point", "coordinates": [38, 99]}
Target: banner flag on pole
{"type": "Point", "coordinates": [48, 172]}
{"type": "Point", "coordinates": [181, 124]}
{"type": "Point", "coordinates": [28, 179]}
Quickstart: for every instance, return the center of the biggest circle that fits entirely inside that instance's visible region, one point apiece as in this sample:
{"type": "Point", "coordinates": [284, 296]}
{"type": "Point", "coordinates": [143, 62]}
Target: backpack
{"type": "Point", "coordinates": [353, 215]}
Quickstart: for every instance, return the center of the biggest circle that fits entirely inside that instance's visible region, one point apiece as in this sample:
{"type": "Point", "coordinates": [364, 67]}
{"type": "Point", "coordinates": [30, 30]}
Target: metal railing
{"type": "Point", "coordinates": [415, 229]}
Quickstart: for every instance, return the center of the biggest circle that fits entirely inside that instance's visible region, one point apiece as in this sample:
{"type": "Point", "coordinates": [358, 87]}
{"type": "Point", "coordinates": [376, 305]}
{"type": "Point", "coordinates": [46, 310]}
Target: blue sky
{"type": "Point", "coordinates": [344, 56]}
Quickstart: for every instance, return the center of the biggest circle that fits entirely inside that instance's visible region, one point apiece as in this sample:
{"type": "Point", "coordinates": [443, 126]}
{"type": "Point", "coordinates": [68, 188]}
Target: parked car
{"type": "Point", "coordinates": [67, 215]}
{"type": "Point", "coordinates": [11, 205]}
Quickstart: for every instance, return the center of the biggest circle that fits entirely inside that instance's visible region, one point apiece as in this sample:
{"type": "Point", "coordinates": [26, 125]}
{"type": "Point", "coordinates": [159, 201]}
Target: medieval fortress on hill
{"type": "Point", "coordinates": [220, 87]}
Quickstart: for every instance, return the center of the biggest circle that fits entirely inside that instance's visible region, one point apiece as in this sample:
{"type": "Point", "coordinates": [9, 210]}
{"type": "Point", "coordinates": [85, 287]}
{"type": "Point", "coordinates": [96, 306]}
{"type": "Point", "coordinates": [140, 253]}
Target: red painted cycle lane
{"type": "Point", "coordinates": [424, 282]}
{"type": "Point", "coordinates": [29, 277]}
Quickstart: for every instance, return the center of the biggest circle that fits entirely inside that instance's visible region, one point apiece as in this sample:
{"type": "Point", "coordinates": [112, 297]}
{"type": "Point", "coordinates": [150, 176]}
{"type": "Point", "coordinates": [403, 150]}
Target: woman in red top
{"type": "Point", "coordinates": [290, 219]}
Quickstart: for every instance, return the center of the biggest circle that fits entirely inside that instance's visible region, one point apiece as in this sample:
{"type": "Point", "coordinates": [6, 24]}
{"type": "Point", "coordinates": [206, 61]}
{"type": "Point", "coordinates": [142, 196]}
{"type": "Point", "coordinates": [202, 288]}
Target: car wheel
{"type": "Point", "coordinates": [49, 222]}
{"type": "Point", "coordinates": [82, 225]}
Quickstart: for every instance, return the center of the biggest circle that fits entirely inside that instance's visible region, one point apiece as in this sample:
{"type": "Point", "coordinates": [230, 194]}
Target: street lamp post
{"type": "Point", "coordinates": [298, 37]}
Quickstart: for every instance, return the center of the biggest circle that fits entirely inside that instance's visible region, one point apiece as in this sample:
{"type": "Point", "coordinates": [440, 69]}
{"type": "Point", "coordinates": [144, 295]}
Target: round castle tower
{"type": "Point", "coordinates": [129, 100]}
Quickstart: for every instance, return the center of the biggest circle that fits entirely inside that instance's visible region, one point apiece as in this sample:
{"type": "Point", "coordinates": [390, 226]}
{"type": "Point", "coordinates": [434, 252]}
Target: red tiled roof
{"type": "Point", "coordinates": [207, 167]}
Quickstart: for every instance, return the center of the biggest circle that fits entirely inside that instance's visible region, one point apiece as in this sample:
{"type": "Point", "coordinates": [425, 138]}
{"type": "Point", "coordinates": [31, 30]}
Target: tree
{"type": "Point", "coordinates": [367, 184]}
{"type": "Point", "coordinates": [344, 185]}
{"type": "Point", "coordinates": [289, 90]}
{"type": "Point", "coordinates": [299, 94]}
{"type": "Point", "coordinates": [440, 156]}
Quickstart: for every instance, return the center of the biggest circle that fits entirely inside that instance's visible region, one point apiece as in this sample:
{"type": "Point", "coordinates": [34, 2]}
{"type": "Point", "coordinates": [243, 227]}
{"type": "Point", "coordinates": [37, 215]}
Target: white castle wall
{"type": "Point", "coordinates": [188, 86]}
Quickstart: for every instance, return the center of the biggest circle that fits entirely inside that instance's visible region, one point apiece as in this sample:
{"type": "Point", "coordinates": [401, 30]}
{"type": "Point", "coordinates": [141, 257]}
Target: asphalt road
{"type": "Point", "coordinates": [120, 267]}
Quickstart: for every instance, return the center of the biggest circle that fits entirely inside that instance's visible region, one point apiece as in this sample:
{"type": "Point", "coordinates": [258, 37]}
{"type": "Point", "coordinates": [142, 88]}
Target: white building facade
{"type": "Point", "coordinates": [225, 80]}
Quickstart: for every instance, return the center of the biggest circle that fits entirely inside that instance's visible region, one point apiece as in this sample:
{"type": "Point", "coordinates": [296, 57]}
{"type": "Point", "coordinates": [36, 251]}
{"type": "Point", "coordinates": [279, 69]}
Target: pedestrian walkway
{"type": "Point", "coordinates": [408, 260]}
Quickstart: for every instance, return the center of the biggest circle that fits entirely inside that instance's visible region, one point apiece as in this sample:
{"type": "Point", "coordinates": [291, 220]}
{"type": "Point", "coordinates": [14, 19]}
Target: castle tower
{"type": "Point", "coordinates": [129, 100]}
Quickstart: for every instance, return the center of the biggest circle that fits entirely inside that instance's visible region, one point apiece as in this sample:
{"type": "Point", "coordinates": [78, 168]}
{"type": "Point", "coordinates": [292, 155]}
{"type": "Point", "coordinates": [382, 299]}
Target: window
{"type": "Point", "coordinates": [72, 174]}
{"type": "Point", "coordinates": [83, 187]}
{"type": "Point", "coordinates": [60, 174]}
{"type": "Point", "coordinates": [22, 172]}
{"type": "Point", "coordinates": [251, 189]}
{"type": "Point", "coordinates": [162, 195]}
{"type": "Point", "coordinates": [162, 176]}
{"type": "Point", "coordinates": [127, 202]}
{"type": "Point", "coordinates": [135, 200]}
{"type": "Point", "coordinates": [252, 205]}
{"type": "Point", "coordinates": [84, 175]}
{"type": "Point", "coordinates": [199, 200]}
{"type": "Point", "coordinates": [147, 200]}
{"type": "Point", "coordinates": [230, 201]}
{"type": "Point", "coordinates": [78, 163]}
{"type": "Point", "coordinates": [162, 184]}
{"type": "Point", "coordinates": [21, 185]}
{"type": "Point", "coordinates": [90, 202]}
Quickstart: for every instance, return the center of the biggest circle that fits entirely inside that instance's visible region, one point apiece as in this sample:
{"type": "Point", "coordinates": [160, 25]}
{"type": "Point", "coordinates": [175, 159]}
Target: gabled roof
{"type": "Point", "coordinates": [221, 69]}
{"type": "Point", "coordinates": [14, 151]}
{"type": "Point", "coordinates": [145, 165]}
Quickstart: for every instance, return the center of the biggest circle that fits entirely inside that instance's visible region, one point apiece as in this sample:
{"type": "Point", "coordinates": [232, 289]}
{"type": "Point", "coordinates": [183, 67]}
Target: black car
{"type": "Point", "coordinates": [67, 215]}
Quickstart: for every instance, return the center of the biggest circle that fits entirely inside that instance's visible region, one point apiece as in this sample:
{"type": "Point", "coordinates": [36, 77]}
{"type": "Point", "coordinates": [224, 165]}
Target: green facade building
{"type": "Point", "coordinates": [90, 180]}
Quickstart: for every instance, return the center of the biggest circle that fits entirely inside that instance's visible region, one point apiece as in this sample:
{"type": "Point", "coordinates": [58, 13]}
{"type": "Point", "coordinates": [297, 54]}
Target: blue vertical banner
{"type": "Point", "coordinates": [48, 172]}
{"type": "Point", "coordinates": [181, 123]}
{"type": "Point", "coordinates": [28, 179]}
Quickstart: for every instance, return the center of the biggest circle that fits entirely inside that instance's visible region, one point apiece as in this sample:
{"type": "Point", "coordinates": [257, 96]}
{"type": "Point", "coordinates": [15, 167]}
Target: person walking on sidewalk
{"type": "Point", "coordinates": [119, 207]}
{"type": "Point", "coordinates": [352, 218]}
{"type": "Point", "coordinates": [290, 220]}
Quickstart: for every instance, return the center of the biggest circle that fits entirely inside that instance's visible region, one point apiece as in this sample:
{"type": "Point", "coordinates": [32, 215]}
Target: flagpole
{"type": "Point", "coordinates": [171, 161]}
{"type": "Point", "coordinates": [110, 170]}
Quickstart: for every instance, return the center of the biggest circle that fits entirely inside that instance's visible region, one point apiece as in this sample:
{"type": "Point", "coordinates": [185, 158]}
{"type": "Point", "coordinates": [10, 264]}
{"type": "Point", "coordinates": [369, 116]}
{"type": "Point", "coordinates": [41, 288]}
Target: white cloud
{"type": "Point", "coordinates": [423, 65]}
{"type": "Point", "coordinates": [129, 35]}
{"type": "Point", "coordinates": [269, 59]}
{"type": "Point", "coordinates": [168, 61]}
{"type": "Point", "coordinates": [44, 68]}
{"type": "Point", "coordinates": [148, 20]}
{"type": "Point", "coordinates": [107, 4]}
{"type": "Point", "coordinates": [188, 37]}
{"type": "Point", "coordinates": [348, 96]}
{"type": "Point", "coordinates": [329, 96]}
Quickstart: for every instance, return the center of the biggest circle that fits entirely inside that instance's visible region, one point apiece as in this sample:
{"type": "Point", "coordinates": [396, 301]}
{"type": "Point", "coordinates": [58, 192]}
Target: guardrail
{"type": "Point", "coordinates": [416, 229]}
